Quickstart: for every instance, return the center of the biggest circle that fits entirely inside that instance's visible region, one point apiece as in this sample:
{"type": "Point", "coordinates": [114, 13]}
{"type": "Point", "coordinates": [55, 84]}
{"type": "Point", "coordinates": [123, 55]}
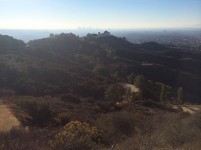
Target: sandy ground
{"type": "Point", "coordinates": [191, 109]}
{"type": "Point", "coordinates": [188, 110]}
{"type": "Point", "coordinates": [7, 119]}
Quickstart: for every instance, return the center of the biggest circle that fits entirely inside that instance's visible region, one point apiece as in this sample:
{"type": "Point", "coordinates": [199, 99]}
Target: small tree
{"type": "Point", "coordinates": [139, 81]}
{"type": "Point", "coordinates": [165, 91]}
{"type": "Point", "coordinates": [115, 92]}
{"type": "Point", "coordinates": [180, 93]}
{"type": "Point", "coordinates": [131, 78]}
{"type": "Point", "coordinates": [162, 93]}
{"type": "Point", "coordinates": [51, 35]}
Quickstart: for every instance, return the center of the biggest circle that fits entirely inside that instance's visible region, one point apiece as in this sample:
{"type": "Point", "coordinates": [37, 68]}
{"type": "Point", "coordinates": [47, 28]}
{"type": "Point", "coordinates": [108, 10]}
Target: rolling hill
{"type": "Point", "coordinates": [70, 66]}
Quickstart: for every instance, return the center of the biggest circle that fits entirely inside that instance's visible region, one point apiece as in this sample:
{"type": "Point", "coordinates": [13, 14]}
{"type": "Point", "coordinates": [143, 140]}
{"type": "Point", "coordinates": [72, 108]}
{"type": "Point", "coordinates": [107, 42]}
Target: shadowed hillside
{"type": "Point", "coordinates": [84, 66]}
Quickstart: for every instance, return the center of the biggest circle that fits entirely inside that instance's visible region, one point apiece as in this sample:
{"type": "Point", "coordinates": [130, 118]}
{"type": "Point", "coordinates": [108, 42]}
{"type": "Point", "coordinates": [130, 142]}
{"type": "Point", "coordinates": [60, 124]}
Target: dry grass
{"type": "Point", "coordinates": [134, 127]}
{"type": "Point", "coordinates": [172, 131]}
{"type": "Point", "coordinates": [19, 139]}
{"type": "Point", "coordinates": [7, 119]}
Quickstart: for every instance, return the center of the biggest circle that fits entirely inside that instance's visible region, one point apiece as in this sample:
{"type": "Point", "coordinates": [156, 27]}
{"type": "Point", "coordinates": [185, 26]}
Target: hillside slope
{"type": "Point", "coordinates": [66, 64]}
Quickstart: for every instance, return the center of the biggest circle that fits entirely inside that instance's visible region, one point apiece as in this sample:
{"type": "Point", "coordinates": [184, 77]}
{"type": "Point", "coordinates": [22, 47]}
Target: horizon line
{"type": "Point", "coordinates": [90, 28]}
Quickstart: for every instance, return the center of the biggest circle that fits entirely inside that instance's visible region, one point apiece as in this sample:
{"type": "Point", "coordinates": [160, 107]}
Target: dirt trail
{"type": "Point", "coordinates": [188, 110]}
{"type": "Point", "coordinates": [7, 118]}
{"type": "Point", "coordinates": [191, 109]}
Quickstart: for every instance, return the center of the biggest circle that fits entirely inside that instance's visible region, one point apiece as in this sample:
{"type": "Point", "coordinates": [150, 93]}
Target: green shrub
{"type": "Point", "coordinates": [115, 92]}
{"type": "Point", "coordinates": [76, 135]}
{"type": "Point", "coordinates": [117, 126]}
{"type": "Point", "coordinates": [36, 139]}
{"type": "Point", "coordinates": [39, 110]}
{"type": "Point", "coordinates": [63, 118]}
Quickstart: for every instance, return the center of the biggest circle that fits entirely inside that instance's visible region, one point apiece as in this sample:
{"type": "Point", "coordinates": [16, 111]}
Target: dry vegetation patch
{"type": "Point", "coordinates": [7, 119]}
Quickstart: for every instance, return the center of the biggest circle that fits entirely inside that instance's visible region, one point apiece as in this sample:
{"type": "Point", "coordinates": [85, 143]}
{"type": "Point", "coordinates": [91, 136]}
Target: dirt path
{"type": "Point", "coordinates": [188, 110]}
{"type": "Point", "coordinates": [191, 109]}
{"type": "Point", "coordinates": [7, 119]}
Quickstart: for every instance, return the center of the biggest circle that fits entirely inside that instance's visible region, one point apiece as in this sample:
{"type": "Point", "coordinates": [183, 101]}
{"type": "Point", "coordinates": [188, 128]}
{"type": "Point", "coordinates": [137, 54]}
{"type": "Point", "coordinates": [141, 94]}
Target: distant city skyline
{"type": "Point", "coordinates": [99, 14]}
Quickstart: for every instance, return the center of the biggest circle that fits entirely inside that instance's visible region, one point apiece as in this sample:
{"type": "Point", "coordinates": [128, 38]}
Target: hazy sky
{"type": "Point", "coordinates": [114, 14]}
